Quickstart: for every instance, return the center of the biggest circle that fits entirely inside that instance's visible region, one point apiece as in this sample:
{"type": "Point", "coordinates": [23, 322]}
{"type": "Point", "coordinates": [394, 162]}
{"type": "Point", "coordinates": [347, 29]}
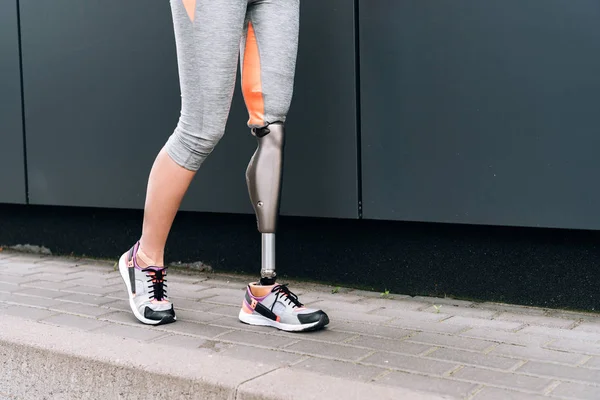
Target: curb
{"type": "Point", "coordinates": [40, 361]}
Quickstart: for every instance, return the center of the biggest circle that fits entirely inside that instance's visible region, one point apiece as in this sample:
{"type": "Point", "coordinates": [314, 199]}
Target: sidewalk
{"type": "Point", "coordinates": [58, 342]}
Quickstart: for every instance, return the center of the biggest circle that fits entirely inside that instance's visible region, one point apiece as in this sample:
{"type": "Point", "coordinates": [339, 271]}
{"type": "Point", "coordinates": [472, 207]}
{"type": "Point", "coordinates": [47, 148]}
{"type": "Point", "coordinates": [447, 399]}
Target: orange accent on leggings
{"type": "Point", "coordinates": [251, 81]}
{"type": "Point", "coordinates": [190, 8]}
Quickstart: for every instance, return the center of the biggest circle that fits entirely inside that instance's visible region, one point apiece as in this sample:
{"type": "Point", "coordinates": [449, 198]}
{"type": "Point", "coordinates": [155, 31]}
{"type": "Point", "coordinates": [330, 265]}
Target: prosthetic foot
{"type": "Point", "coordinates": [267, 303]}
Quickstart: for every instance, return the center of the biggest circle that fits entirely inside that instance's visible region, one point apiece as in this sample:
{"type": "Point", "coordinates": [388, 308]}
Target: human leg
{"type": "Point", "coordinates": [207, 35]}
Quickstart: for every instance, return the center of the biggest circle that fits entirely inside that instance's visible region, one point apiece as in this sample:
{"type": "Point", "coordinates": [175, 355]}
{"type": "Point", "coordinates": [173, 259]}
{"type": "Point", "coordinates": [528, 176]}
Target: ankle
{"type": "Point", "coordinates": [146, 259]}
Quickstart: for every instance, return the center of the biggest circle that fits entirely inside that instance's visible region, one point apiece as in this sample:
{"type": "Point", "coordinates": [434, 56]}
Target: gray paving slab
{"type": "Point", "coordinates": [491, 393]}
{"type": "Point", "coordinates": [503, 379]}
{"type": "Point", "coordinates": [438, 385]}
{"type": "Point", "coordinates": [577, 391]}
{"type": "Point", "coordinates": [557, 371]}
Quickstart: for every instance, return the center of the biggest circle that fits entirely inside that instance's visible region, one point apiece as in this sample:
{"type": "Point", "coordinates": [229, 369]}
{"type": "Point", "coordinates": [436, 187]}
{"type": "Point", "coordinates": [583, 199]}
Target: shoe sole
{"type": "Point", "coordinates": [254, 319]}
{"type": "Point", "coordinates": [124, 271]}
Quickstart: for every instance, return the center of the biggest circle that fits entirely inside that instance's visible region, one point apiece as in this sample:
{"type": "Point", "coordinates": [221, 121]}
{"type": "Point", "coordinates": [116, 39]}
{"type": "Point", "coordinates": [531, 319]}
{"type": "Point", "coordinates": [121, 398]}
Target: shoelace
{"type": "Point", "coordinates": [287, 295]}
{"type": "Point", "coordinates": [157, 283]}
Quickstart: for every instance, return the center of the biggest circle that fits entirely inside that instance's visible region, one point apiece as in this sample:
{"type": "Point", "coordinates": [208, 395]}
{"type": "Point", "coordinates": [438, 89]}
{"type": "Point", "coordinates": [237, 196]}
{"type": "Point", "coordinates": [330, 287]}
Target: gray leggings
{"type": "Point", "coordinates": [210, 36]}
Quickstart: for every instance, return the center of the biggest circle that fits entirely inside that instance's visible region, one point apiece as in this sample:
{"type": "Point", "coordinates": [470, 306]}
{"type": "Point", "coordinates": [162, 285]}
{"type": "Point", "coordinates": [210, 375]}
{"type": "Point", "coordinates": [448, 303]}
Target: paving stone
{"type": "Point", "coordinates": [321, 349]}
{"type": "Point", "coordinates": [575, 346]}
{"type": "Point", "coordinates": [428, 383]}
{"type": "Point", "coordinates": [512, 308]}
{"type": "Point", "coordinates": [121, 305]}
{"type": "Point", "coordinates": [126, 331]}
{"type": "Point", "coordinates": [411, 315]}
{"type": "Point", "coordinates": [323, 335]}
{"type": "Point", "coordinates": [10, 288]}
{"type": "Point", "coordinates": [45, 293]}
{"type": "Point", "coordinates": [74, 321]}
{"type": "Point", "coordinates": [19, 268]}
{"type": "Point", "coordinates": [451, 341]}
{"type": "Point", "coordinates": [426, 326]}
{"type": "Point", "coordinates": [257, 339]}
{"type": "Point", "coordinates": [86, 299]}
{"type": "Point", "coordinates": [211, 292]}
{"type": "Point", "coordinates": [223, 310]}
{"type": "Point", "coordinates": [443, 300]}
{"type": "Point", "coordinates": [224, 300]}
{"type": "Point", "coordinates": [594, 362]}
{"type": "Point", "coordinates": [561, 371]}
{"type": "Point", "coordinates": [535, 320]}
{"type": "Point", "coordinates": [60, 262]}
{"type": "Point", "coordinates": [32, 301]}
{"type": "Point", "coordinates": [371, 329]}
{"type": "Point", "coordinates": [389, 345]}
{"type": "Point", "coordinates": [392, 304]}
{"type": "Point", "coordinates": [192, 316]}
{"type": "Point", "coordinates": [91, 290]}
{"type": "Point", "coordinates": [577, 391]}
{"type": "Point", "coordinates": [330, 306]}
{"type": "Point", "coordinates": [235, 323]}
{"type": "Point", "coordinates": [517, 338]}
{"type": "Point", "coordinates": [561, 333]}
{"type": "Point", "coordinates": [262, 356]}
{"type": "Point", "coordinates": [47, 276]}
{"type": "Point", "coordinates": [407, 363]}
{"type": "Point", "coordinates": [80, 309]}
{"type": "Point", "coordinates": [489, 393]}
{"type": "Point", "coordinates": [14, 279]}
{"type": "Point", "coordinates": [49, 285]}
{"type": "Point", "coordinates": [26, 312]}
{"type": "Point", "coordinates": [461, 311]}
{"type": "Point", "coordinates": [191, 328]}
{"type": "Point", "coordinates": [537, 353]}
{"type": "Point", "coordinates": [357, 317]}
{"type": "Point", "coordinates": [189, 342]}
{"type": "Point", "coordinates": [506, 379]}
{"type": "Point", "coordinates": [340, 298]}
{"type": "Point", "coordinates": [99, 283]}
{"type": "Point", "coordinates": [120, 317]}
{"type": "Point", "coordinates": [472, 358]}
{"type": "Point", "coordinates": [583, 316]}
{"type": "Point", "coordinates": [593, 327]}
{"type": "Point", "coordinates": [482, 323]}
{"type": "Point", "coordinates": [192, 305]}
{"type": "Point", "coordinates": [340, 369]}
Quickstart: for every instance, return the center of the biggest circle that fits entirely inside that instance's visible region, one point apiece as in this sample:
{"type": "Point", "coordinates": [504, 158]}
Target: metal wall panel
{"type": "Point", "coordinates": [481, 112]}
{"type": "Point", "coordinates": [103, 96]}
{"type": "Point", "coordinates": [12, 166]}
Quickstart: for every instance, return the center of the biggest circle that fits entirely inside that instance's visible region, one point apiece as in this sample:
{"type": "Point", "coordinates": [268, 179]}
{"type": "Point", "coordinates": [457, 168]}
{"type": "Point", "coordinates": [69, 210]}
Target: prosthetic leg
{"type": "Point", "coordinates": [263, 178]}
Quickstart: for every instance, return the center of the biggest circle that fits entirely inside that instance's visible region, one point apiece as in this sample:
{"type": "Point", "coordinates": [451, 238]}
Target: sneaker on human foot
{"type": "Point", "coordinates": [147, 290]}
{"type": "Point", "coordinates": [276, 306]}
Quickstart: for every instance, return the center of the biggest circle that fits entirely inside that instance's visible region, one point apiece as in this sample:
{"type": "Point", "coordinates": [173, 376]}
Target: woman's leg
{"type": "Point", "coordinates": [268, 62]}
{"type": "Point", "coordinates": [207, 35]}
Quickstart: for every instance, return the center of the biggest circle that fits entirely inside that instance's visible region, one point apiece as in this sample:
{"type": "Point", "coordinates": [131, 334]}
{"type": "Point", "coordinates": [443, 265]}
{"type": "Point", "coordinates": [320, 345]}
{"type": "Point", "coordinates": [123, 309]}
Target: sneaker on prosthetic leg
{"type": "Point", "coordinates": [276, 306]}
{"type": "Point", "coordinates": [146, 288]}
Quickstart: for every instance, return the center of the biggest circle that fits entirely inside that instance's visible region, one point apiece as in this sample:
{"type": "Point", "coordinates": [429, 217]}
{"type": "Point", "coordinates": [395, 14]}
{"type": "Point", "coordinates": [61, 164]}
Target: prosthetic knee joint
{"type": "Point", "coordinates": [263, 178]}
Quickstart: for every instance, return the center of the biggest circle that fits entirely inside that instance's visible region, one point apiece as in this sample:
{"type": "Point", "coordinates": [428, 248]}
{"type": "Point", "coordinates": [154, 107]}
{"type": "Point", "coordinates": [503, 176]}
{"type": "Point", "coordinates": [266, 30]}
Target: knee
{"type": "Point", "coordinates": [191, 144]}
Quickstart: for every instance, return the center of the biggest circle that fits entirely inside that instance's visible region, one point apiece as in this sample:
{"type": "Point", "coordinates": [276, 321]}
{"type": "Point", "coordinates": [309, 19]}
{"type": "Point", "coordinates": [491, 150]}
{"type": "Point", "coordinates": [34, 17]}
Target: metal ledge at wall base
{"type": "Point", "coordinates": [526, 266]}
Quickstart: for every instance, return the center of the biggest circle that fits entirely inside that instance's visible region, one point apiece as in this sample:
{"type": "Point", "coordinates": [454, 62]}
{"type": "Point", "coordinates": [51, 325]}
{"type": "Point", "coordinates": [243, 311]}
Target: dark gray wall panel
{"type": "Point", "coordinates": [102, 90]}
{"type": "Point", "coordinates": [101, 96]}
{"type": "Point", "coordinates": [481, 112]}
{"type": "Point", "coordinates": [12, 166]}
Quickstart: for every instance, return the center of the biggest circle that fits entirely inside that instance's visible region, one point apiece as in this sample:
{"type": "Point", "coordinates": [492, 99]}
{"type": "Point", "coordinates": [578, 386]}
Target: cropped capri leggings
{"type": "Point", "coordinates": [210, 35]}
